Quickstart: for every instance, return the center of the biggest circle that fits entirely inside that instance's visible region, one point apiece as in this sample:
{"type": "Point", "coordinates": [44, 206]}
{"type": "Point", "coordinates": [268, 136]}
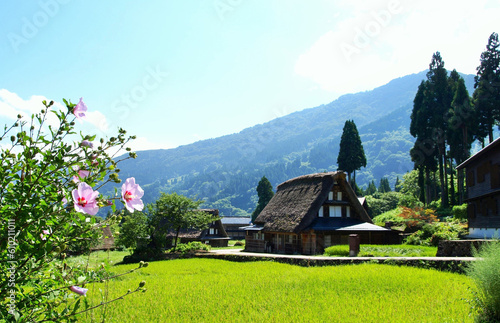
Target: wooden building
{"type": "Point", "coordinates": [106, 240]}
{"type": "Point", "coordinates": [233, 224]}
{"type": "Point", "coordinates": [482, 181]}
{"type": "Point", "coordinates": [310, 213]}
{"type": "Point", "coordinates": [215, 235]}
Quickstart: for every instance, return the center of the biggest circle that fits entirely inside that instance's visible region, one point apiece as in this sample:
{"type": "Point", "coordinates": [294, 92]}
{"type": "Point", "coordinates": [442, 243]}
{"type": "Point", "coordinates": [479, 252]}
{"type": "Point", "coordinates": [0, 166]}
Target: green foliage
{"type": "Point", "coordinates": [190, 247]}
{"type": "Point", "coordinates": [174, 212]}
{"type": "Point", "coordinates": [40, 180]}
{"type": "Point", "coordinates": [486, 97]}
{"type": "Point", "coordinates": [265, 194]}
{"type": "Point", "coordinates": [379, 203]}
{"type": "Point", "coordinates": [383, 251]}
{"type": "Point", "coordinates": [384, 186]}
{"type": "Point", "coordinates": [196, 290]}
{"type": "Point", "coordinates": [389, 216]}
{"type": "Point", "coordinates": [371, 189]}
{"type": "Point", "coordinates": [134, 226]}
{"type": "Point", "coordinates": [460, 211]}
{"type": "Point", "coordinates": [337, 251]}
{"type": "Point", "coordinates": [486, 276]}
{"type": "Point", "coordinates": [431, 233]}
{"type": "Point", "coordinates": [351, 154]}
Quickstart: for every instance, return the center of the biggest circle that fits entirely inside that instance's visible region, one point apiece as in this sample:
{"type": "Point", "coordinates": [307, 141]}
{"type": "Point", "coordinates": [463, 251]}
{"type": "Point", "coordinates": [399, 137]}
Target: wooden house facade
{"type": "Point", "coordinates": [310, 213]}
{"type": "Point", "coordinates": [215, 235]}
{"type": "Point", "coordinates": [482, 182]}
{"type": "Point", "coordinates": [233, 226]}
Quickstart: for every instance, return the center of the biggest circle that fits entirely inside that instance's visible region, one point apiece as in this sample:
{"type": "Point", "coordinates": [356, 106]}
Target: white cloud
{"type": "Point", "coordinates": [142, 143]}
{"type": "Point", "coordinates": [373, 44]}
{"type": "Point", "coordinates": [11, 105]}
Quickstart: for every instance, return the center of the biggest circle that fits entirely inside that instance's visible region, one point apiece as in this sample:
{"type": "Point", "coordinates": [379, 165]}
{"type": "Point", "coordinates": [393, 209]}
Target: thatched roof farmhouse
{"type": "Point", "coordinates": [312, 212]}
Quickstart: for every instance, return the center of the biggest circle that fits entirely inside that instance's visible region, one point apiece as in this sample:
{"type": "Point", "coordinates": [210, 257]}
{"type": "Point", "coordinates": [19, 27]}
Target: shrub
{"type": "Point", "coordinates": [192, 246]}
{"type": "Point", "coordinates": [416, 218]}
{"type": "Point", "coordinates": [389, 216]}
{"type": "Point", "coordinates": [431, 233]}
{"type": "Point", "coordinates": [49, 181]}
{"type": "Point", "coordinates": [337, 251]}
{"type": "Point", "coordinates": [239, 243]}
{"type": "Point", "coordinates": [486, 275]}
{"type": "Point", "coordinates": [460, 211]}
{"type": "Point", "coordinates": [379, 203]}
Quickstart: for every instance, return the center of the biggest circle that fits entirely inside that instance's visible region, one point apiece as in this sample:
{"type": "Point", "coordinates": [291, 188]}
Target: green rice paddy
{"type": "Point", "coordinates": [208, 290]}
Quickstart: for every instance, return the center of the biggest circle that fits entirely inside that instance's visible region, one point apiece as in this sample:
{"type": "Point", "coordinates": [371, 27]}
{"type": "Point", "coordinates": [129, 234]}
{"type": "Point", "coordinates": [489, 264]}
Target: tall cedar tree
{"type": "Point", "coordinates": [441, 97]}
{"type": "Point", "coordinates": [461, 127]}
{"type": "Point", "coordinates": [384, 186]}
{"type": "Point", "coordinates": [351, 155]}
{"type": "Point", "coordinates": [265, 194]}
{"type": "Point", "coordinates": [429, 124]}
{"type": "Point", "coordinates": [486, 95]}
{"type": "Point", "coordinates": [424, 152]}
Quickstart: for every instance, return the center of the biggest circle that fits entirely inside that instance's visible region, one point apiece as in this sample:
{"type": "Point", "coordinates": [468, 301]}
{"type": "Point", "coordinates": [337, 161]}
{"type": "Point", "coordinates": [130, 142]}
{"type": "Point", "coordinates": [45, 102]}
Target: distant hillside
{"type": "Point", "coordinates": [225, 171]}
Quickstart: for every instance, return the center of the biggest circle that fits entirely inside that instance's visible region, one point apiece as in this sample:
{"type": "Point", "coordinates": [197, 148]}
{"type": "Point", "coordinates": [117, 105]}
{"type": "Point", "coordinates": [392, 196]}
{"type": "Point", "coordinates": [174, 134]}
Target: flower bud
{"type": "Point", "coordinates": [142, 283]}
{"type": "Point", "coordinates": [19, 116]}
{"type": "Point", "coordinates": [12, 138]}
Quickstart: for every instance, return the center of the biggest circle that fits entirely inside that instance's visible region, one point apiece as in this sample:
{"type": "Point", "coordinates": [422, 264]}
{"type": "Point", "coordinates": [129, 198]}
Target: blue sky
{"type": "Point", "coordinates": [174, 72]}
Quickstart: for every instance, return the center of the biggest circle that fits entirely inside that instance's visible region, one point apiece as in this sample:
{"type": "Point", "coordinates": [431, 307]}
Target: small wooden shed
{"type": "Point", "coordinates": [215, 235]}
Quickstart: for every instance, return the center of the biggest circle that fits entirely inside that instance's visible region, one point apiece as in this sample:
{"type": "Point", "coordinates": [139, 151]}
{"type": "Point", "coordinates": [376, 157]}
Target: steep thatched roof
{"type": "Point", "coordinates": [296, 203]}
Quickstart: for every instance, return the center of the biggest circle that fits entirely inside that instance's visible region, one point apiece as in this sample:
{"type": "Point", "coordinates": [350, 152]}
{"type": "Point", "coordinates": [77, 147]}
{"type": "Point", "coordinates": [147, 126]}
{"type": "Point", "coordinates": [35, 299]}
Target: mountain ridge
{"type": "Point", "coordinates": [224, 171]}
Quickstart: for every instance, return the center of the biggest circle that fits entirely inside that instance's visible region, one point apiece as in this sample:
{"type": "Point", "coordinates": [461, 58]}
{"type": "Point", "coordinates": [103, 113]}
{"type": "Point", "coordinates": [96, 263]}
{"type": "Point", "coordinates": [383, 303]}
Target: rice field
{"type": "Point", "coordinates": [383, 251]}
{"type": "Point", "coordinates": [209, 290]}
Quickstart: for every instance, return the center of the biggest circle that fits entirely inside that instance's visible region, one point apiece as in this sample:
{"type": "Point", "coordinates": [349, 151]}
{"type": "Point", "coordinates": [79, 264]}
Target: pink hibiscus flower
{"type": "Point", "coordinates": [131, 194]}
{"type": "Point", "coordinates": [79, 110]}
{"type": "Point", "coordinates": [79, 290]}
{"type": "Point", "coordinates": [84, 198]}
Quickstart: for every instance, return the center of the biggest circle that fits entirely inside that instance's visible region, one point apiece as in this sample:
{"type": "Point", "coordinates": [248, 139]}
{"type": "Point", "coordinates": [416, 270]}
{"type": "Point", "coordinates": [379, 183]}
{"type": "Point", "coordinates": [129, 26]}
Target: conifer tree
{"type": "Point", "coordinates": [384, 186]}
{"type": "Point", "coordinates": [265, 194]}
{"type": "Point", "coordinates": [351, 155]}
{"type": "Point", "coordinates": [371, 189]}
{"type": "Point", "coordinates": [486, 95]}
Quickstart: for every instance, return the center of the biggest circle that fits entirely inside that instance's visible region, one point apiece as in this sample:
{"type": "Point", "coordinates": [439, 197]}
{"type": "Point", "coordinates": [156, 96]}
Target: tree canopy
{"type": "Point", "coordinates": [176, 212]}
{"type": "Point", "coordinates": [351, 154]}
{"type": "Point", "coordinates": [265, 194]}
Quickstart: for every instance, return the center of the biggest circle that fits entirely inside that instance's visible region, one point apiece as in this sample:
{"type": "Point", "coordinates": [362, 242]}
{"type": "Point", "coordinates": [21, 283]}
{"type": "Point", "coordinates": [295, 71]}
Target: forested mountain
{"type": "Point", "coordinates": [225, 171]}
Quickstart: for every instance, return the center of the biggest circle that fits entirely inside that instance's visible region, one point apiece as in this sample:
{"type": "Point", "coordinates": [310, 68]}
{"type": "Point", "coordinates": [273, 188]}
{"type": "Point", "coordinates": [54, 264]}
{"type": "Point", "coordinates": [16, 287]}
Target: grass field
{"type": "Point", "coordinates": [383, 251]}
{"type": "Point", "coordinates": [207, 290]}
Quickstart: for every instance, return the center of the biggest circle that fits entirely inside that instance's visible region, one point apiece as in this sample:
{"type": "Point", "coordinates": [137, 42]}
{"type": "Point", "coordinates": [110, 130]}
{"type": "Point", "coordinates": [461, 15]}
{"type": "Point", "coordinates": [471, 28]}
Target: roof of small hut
{"type": "Point", "coordinates": [107, 241]}
{"type": "Point", "coordinates": [201, 234]}
{"type": "Point", "coordinates": [296, 203]}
